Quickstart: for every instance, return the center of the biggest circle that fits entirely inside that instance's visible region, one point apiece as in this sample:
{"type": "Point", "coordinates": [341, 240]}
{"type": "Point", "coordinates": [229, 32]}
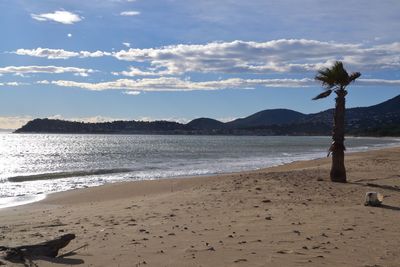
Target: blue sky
{"type": "Point", "coordinates": [177, 60]}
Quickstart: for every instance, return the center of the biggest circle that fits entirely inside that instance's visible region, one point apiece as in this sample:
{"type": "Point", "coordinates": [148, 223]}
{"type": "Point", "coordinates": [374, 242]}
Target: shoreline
{"type": "Point", "coordinates": [289, 215]}
{"type": "Point", "coordinates": [200, 178]}
{"type": "Point", "coordinates": [30, 199]}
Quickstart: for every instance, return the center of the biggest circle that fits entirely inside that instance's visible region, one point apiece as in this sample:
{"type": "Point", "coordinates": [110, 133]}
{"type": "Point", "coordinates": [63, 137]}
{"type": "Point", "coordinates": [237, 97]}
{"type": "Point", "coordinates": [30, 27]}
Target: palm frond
{"type": "Point", "coordinates": [340, 74]}
{"type": "Point", "coordinates": [323, 95]}
{"type": "Point", "coordinates": [326, 78]}
{"type": "Point", "coordinates": [354, 76]}
{"type": "Point", "coordinates": [336, 76]}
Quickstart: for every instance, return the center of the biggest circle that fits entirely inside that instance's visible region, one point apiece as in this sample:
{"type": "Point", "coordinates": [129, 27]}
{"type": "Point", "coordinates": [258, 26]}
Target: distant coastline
{"type": "Point", "coordinates": [379, 120]}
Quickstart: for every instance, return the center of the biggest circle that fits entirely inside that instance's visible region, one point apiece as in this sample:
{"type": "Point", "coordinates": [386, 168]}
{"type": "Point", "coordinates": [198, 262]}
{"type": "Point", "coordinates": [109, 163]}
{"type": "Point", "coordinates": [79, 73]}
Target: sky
{"type": "Point", "coordinates": [183, 59]}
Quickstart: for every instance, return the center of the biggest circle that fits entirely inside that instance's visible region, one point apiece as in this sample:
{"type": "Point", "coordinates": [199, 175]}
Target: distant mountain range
{"type": "Point", "coordinates": [378, 120]}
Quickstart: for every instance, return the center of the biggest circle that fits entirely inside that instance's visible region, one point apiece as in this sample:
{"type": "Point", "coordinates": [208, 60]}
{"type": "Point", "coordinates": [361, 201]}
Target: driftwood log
{"type": "Point", "coordinates": [46, 249]}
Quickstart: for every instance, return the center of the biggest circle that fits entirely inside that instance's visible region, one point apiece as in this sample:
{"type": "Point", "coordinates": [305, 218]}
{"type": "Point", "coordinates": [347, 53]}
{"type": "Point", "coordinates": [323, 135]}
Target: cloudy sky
{"type": "Point", "coordinates": [181, 59]}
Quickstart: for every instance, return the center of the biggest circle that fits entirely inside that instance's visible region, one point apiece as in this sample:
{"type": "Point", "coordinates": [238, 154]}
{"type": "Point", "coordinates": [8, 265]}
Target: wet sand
{"type": "Point", "coordinates": [289, 215]}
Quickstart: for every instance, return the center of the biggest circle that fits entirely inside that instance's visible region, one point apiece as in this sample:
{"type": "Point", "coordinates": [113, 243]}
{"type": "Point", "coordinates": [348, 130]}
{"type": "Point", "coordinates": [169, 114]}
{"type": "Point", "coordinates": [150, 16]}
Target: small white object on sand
{"type": "Point", "coordinates": [373, 199]}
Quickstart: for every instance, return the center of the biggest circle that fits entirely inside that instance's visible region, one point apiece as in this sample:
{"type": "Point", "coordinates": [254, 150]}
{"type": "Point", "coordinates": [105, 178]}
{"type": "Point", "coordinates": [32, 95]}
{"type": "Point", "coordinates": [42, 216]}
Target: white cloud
{"type": "Point", "coordinates": [58, 53]}
{"type": "Point", "coordinates": [130, 13]}
{"type": "Point", "coordinates": [276, 56]}
{"type": "Point", "coordinates": [43, 82]}
{"type": "Point", "coordinates": [47, 53]}
{"type": "Point", "coordinates": [60, 16]}
{"type": "Point", "coordinates": [127, 44]}
{"type": "Point", "coordinates": [133, 71]}
{"type": "Point", "coordinates": [377, 82]}
{"type": "Point", "coordinates": [12, 84]}
{"type": "Point", "coordinates": [45, 69]}
{"type": "Point", "coordinates": [164, 84]}
{"type": "Point", "coordinates": [85, 54]}
{"type": "Point", "coordinates": [15, 84]}
{"type": "Point", "coordinates": [13, 122]}
{"type": "Point", "coordinates": [132, 93]}
{"type": "Point", "coordinates": [295, 55]}
{"type": "Point", "coordinates": [21, 75]}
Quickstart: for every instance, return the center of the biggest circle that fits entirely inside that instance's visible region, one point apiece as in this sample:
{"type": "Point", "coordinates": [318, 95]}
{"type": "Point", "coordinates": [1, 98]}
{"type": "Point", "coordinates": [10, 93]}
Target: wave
{"type": "Point", "coordinates": [60, 175]}
{"type": "Point", "coordinates": [8, 202]}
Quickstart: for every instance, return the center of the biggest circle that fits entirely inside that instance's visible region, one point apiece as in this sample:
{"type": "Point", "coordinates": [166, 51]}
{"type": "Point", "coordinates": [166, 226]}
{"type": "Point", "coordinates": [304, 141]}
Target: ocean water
{"type": "Point", "coordinates": [33, 165]}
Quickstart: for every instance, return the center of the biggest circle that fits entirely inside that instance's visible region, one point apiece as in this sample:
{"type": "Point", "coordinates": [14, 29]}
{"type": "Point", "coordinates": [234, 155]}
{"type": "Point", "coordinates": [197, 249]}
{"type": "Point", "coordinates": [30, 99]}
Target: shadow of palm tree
{"type": "Point", "coordinates": [60, 260]}
{"type": "Point", "coordinates": [64, 260]}
{"type": "Point", "coordinates": [382, 186]}
{"type": "Point", "coordinates": [384, 206]}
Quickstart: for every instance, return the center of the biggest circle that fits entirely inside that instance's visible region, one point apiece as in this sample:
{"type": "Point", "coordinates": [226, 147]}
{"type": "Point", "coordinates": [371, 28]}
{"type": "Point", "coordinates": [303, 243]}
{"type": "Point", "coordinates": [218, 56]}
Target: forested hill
{"type": "Point", "coordinates": [378, 120]}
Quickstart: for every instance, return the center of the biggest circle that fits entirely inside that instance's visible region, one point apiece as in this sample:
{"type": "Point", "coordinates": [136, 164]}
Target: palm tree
{"type": "Point", "coordinates": [336, 79]}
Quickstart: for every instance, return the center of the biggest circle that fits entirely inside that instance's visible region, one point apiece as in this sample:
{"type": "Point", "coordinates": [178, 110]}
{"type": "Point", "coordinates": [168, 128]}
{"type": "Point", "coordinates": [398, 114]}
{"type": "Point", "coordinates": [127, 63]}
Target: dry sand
{"type": "Point", "coordinates": [290, 215]}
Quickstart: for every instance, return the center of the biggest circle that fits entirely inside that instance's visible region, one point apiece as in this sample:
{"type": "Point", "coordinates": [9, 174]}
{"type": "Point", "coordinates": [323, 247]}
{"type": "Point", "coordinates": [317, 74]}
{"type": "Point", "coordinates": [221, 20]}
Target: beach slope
{"type": "Point", "coordinates": [289, 215]}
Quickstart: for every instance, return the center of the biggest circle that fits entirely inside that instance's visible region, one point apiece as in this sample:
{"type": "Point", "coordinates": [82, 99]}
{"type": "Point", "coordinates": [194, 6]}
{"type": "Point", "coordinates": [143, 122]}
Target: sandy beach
{"type": "Point", "coordinates": [289, 215]}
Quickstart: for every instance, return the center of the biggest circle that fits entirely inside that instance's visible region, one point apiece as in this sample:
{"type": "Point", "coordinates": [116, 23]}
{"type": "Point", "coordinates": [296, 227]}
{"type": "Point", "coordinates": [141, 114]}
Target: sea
{"type": "Point", "coordinates": [34, 165]}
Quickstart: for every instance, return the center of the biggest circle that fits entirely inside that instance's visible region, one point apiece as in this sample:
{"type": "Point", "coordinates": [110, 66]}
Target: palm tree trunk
{"type": "Point", "coordinates": [338, 170]}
